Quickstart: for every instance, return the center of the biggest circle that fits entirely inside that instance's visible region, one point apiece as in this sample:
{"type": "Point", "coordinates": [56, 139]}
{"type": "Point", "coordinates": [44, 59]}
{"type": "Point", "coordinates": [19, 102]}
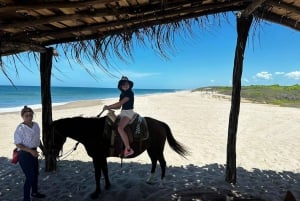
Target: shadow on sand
{"type": "Point", "coordinates": [74, 180]}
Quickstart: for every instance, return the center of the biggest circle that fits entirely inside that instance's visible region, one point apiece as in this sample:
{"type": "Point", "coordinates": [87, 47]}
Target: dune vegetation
{"type": "Point", "coordinates": [288, 96]}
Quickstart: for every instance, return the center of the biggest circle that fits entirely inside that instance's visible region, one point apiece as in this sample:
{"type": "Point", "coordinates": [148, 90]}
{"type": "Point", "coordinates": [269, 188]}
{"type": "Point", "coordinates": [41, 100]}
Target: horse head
{"type": "Point", "coordinates": [57, 139]}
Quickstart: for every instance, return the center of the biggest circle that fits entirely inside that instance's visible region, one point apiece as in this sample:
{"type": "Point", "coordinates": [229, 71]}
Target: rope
{"type": "Point", "coordinates": [100, 113]}
{"type": "Point", "coordinates": [63, 156]}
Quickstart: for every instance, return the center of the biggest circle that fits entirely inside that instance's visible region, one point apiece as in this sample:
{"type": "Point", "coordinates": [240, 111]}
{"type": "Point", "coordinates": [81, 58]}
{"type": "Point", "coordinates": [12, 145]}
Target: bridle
{"type": "Point", "coordinates": [63, 156]}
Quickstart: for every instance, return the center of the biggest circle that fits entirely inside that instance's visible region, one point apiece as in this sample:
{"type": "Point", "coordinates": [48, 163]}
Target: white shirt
{"type": "Point", "coordinates": [29, 137]}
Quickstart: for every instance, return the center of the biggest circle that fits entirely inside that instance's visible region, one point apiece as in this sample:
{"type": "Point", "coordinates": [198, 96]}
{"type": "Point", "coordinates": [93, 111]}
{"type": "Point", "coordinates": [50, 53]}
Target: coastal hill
{"type": "Point", "coordinates": [287, 96]}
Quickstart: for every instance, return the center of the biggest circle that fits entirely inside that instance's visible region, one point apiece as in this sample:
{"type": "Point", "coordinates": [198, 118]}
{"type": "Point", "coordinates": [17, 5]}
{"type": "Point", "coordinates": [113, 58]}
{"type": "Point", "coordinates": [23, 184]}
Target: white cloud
{"type": "Point", "coordinates": [246, 80]}
{"type": "Point", "coordinates": [134, 75]}
{"type": "Point", "coordinates": [264, 75]}
{"type": "Point", "coordinates": [293, 75]}
{"type": "Point", "coordinates": [279, 73]}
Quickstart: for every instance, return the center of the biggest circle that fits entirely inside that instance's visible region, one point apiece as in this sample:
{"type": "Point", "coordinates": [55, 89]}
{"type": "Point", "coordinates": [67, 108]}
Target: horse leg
{"type": "Point", "coordinates": [157, 155]}
{"type": "Point", "coordinates": [97, 167]}
{"type": "Point", "coordinates": [163, 165]}
{"type": "Point", "coordinates": [150, 179]}
{"type": "Point", "coordinates": [105, 173]}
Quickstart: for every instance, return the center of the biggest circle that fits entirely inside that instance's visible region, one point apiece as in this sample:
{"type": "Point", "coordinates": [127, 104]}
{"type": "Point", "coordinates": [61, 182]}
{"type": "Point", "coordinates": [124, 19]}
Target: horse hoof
{"type": "Point", "coordinates": [162, 183]}
{"type": "Point", "coordinates": [94, 195]}
{"type": "Point", "coordinates": [151, 179]}
{"type": "Point", "coordinates": [150, 182]}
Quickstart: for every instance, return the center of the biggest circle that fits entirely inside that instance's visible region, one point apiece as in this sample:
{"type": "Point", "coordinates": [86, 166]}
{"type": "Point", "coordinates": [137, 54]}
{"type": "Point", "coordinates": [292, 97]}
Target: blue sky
{"type": "Point", "coordinates": [206, 59]}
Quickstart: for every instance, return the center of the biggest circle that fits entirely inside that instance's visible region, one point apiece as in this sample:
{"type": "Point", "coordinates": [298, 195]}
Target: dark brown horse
{"type": "Point", "coordinates": [90, 132]}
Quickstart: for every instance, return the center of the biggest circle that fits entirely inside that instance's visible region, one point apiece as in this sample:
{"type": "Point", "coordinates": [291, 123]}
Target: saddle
{"type": "Point", "coordinates": [137, 131]}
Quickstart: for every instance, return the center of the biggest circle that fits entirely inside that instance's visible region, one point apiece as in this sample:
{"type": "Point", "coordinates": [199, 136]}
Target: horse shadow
{"type": "Point", "coordinates": [74, 180]}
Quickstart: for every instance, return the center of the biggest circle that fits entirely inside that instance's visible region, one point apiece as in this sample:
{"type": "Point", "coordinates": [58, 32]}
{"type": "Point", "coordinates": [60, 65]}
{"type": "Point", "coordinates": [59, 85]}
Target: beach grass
{"type": "Point", "coordinates": [287, 96]}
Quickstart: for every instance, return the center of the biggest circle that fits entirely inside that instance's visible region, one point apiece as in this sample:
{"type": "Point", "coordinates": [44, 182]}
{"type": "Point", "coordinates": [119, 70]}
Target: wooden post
{"type": "Point", "coordinates": [45, 73]}
{"type": "Point", "coordinates": [243, 26]}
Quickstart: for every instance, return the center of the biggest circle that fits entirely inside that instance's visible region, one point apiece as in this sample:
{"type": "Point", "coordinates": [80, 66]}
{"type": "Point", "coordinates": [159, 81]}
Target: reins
{"type": "Point", "coordinates": [63, 156]}
{"type": "Point", "coordinates": [100, 113]}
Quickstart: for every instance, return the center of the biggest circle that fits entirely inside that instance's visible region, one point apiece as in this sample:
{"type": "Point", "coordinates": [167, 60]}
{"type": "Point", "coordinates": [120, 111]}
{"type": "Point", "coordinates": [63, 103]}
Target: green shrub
{"type": "Point", "coordinates": [273, 94]}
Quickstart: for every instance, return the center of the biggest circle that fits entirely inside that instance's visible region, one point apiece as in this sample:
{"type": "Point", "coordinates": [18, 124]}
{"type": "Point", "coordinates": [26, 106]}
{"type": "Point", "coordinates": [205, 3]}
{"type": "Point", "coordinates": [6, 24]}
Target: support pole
{"type": "Point", "coordinates": [45, 73]}
{"type": "Point", "coordinates": [243, 26]}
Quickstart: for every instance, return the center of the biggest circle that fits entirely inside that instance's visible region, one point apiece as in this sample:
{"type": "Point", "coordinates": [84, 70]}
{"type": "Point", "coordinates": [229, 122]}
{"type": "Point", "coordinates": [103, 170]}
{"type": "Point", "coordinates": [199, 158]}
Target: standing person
{"type": "Point", "coordinates": [27, 139]}
{"type": "Point", "coordinates": [126, 101]}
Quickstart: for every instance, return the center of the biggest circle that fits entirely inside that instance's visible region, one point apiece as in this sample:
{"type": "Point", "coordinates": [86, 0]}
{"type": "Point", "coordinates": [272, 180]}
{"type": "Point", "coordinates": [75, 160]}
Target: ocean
{"type": "Point", "coordinates": [13, 99]}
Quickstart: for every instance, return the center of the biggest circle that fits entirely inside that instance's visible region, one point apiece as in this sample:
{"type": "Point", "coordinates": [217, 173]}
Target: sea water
{"type": "Point", "coordinates": [14, 98]}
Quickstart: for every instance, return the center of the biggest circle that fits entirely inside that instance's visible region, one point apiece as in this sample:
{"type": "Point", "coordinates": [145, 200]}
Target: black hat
{"type": "Point", "coordinates": [123, 80]}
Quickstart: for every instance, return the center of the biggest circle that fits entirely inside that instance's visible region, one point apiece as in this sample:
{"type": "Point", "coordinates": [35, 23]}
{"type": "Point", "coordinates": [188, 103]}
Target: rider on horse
{"type": "Point", "coordinates": [126, 101]}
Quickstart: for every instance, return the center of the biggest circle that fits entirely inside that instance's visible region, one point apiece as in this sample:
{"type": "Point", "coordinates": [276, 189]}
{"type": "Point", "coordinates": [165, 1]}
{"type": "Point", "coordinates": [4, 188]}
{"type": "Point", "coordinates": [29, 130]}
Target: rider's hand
{"type": "Point", "coordinates": [105, 107]}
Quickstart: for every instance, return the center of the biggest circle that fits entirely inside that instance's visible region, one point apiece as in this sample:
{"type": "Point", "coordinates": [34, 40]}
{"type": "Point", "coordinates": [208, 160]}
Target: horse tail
{"type": "Point", "coordinates": [174, 144]}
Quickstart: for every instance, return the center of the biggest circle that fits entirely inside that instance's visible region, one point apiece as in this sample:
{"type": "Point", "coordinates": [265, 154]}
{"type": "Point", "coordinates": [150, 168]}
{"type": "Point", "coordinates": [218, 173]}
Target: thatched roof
{"type": "Point", "coordinates": [32, 25]}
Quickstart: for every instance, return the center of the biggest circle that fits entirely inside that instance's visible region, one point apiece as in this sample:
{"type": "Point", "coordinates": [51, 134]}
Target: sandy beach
{"type": "Point", "coordinates": [268, 152]}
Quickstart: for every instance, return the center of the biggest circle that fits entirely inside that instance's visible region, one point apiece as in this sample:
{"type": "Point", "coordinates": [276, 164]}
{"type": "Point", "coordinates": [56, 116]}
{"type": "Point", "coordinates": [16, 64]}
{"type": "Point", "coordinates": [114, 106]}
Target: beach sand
{"type": "Point", "coordinates": [268, 152]}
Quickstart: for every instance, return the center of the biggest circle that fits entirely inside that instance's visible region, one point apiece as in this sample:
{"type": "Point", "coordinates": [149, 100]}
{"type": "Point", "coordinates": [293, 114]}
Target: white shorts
{"type": "Point", "coordinates": [127, 113]}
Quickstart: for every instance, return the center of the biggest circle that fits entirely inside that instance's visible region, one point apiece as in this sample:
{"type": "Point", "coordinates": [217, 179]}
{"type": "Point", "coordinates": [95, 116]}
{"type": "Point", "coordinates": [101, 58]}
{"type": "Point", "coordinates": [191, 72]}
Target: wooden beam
{"type": "Point", "coordinates": [8, 48]}
{"type": "Point", "coordinates": [153, 10]}
{"type": "Point", "coordinates": [279, 19]}
{"type": "Point", "coordinates": [252, 7]}
{"type": "Point", "coordinates": [135, 22]}
{"type": "Point", "coordinates": [146, 20]}
{"type": "Point", "coordinates": [35, 5]}
{"type": "Point", "coordinates": [56, 18]}
{"type": "Point", "coordinates": [288, 7]}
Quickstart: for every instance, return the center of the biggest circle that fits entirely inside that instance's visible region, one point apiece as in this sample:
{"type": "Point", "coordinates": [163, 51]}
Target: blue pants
{"type": "Point", "coordinates": [30, 167]}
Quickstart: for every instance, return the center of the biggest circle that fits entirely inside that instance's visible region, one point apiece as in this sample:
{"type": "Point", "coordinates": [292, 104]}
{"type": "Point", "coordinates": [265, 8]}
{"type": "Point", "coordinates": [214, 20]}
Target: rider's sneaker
{"type": "Point", "coordinates": [128, 152]}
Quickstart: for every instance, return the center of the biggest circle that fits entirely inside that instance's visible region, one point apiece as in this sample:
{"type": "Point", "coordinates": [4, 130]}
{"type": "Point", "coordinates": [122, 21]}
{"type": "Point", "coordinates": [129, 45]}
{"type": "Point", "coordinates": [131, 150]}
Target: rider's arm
{"type": "Point", "coordinates": [116, 105]}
